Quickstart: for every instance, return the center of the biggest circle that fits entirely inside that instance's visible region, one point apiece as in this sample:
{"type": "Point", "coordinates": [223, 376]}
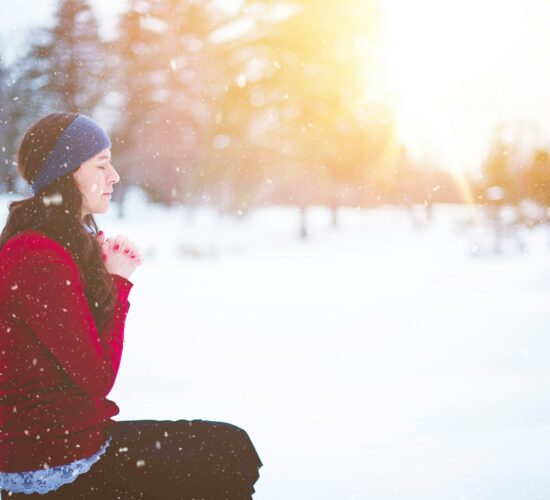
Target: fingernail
{"type": "Point", "coordinates": [100, 233]}
{"type": "Point", "coordinates": [116, 247]}
{"type": "Point", "coordinates": [126, 251]}
{"type": "Point", "coordinates": [104, 256]}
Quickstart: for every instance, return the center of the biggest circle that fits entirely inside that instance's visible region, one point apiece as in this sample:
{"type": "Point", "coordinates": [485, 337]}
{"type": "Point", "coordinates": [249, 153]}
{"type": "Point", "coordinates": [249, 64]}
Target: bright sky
{"type": "Point", "coordinates": [458, 69]}
{"type": "Point", "coordinates": [454, 70]}
{"type": "Point", "coordinates": [17, 17]}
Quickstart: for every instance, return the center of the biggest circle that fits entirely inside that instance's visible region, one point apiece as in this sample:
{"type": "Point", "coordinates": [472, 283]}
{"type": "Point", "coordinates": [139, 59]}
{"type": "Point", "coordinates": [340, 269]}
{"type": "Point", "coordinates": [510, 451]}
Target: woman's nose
{"type": "Point", "coordinates": [114, 177]}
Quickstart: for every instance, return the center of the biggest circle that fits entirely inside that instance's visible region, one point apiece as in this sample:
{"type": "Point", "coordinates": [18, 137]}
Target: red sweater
{"type": "Point", "coordinates": [56, 368]}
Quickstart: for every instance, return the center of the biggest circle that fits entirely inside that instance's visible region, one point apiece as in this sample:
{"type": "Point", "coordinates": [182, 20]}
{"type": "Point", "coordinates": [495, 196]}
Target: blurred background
{"type": "Point", "coordinates": [344, 209]}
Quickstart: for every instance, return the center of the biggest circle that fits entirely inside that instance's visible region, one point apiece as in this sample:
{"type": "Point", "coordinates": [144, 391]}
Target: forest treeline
{"type": "Point", "coordinates": [270, 103]}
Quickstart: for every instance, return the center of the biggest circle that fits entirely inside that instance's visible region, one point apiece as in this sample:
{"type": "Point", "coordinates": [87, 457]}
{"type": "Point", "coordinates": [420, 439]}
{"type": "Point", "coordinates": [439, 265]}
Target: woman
{"type": "Point", "coordinates": [63, 304]}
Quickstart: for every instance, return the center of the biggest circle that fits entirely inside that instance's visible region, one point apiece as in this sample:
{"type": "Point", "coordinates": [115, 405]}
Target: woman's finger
{"type": "Point", "coordinates": [100, 237]}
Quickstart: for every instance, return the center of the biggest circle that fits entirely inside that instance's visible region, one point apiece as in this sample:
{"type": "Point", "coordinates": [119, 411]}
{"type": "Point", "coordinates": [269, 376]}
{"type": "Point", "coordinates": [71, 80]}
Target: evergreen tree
{"type": "Point", "coordinates": [165, 79]}
{"type": "Point", "coordinates": [497, 172]}
{"type": "Point", "coordinates": [134, 61]}
{"type": "Point", "coordinates": [293, 123]}
{"type": "Point", "coordinates": [537, 178]}
{"type": "Point", "coordinates": [64, 68]}
{"type": "Point", "coordinates": [77, 58]}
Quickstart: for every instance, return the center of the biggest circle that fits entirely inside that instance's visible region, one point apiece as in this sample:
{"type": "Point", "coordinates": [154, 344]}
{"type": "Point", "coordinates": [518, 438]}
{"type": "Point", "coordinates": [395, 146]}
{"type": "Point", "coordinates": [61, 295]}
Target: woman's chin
{"type": "Point", "coordinates": [103, 208]}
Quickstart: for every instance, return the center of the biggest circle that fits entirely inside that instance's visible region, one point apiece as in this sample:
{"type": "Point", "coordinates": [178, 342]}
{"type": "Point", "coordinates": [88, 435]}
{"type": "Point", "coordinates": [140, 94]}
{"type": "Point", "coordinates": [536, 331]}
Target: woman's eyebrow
{"type": "Point", "coordinates": [104, 157]}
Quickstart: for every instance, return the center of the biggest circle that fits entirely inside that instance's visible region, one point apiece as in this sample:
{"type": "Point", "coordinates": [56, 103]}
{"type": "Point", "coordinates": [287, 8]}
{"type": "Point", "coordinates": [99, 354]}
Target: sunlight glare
{"type": "Point", "coordinates": [438, 58]}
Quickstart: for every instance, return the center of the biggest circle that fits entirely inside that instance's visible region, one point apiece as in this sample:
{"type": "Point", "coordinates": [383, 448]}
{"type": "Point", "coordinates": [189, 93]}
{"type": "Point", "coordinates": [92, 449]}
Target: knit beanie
{"type": "Point", "coordinates": [79, 142]}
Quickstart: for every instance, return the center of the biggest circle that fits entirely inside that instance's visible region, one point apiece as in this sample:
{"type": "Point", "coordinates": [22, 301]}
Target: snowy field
{"type": "Point", "coordinates": [374, 361]}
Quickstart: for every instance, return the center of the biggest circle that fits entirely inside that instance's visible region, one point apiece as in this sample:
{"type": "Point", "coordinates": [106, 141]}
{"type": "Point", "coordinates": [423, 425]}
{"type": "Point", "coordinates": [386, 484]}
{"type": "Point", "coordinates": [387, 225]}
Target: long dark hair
{"type": "Point", "coordinates": [56, 211]}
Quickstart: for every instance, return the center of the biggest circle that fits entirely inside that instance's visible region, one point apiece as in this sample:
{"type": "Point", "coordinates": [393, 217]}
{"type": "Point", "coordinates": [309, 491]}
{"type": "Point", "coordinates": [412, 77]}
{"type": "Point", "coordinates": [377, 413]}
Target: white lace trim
{"type": "Point", "coordinates": [45, 480]}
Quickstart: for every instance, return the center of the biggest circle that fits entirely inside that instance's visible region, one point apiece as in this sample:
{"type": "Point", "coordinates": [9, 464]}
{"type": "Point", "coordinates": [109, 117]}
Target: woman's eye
{"type": "Point", "coordinates": [102, 168]}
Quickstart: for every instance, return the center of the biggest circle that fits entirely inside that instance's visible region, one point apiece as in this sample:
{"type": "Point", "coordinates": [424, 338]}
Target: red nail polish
{"type": "Point", "coordinates": [126, 251]}
{"type": "Point", "coordinates": [104, 256]}
{"type": "Point", "coordinates": [116, 247]}
{"type": "Point", "coordinates": [100, 233]}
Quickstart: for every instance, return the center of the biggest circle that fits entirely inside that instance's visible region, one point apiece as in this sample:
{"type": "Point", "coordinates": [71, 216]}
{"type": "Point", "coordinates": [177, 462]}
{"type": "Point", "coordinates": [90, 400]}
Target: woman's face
{"type": "Point", "coordinates": [95, 179]}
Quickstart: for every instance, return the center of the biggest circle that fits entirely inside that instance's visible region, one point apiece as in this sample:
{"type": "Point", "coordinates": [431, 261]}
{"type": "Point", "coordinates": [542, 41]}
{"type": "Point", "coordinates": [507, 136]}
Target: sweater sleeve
{"type": "Point", "coordinates": [49, 297]}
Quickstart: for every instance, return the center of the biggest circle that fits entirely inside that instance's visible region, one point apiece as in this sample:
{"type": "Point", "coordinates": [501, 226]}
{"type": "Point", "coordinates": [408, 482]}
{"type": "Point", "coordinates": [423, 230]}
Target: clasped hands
{"type": "Point", "coordinates": [120, 255]}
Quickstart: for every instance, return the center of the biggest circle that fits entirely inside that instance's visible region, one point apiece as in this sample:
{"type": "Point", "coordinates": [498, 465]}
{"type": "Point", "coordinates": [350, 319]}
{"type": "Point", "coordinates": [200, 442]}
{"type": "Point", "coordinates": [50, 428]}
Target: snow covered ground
{"type": "Point", "coordinates": [373, 361]}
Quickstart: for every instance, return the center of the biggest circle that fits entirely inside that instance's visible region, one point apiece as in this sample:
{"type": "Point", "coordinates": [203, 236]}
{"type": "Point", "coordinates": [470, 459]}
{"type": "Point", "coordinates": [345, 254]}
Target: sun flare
{"type": "Point", "coordinates": [440, 60]}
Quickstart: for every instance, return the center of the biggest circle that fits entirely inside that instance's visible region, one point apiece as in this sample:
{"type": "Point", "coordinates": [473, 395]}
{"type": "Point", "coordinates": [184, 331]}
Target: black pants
{"type": "Point", "coordinates": [167, 460]}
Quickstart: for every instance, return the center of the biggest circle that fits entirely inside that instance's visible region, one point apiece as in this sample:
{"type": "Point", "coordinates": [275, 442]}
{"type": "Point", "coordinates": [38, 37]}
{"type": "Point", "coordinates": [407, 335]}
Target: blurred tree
{"type": "Point", "coordinates": [133, 62]}
{"type": "Point", "coordinates": [297, 109]}
{"type": "Point", "coordinates": [537, 177]}
{"type": "Point", "coordinates": [497, 172]}
{"type": "Point", "coordinates": [501, 188]}
{"type": "Point", "coordinates": [78, 78]}
{"type": "Point", "coordinates": [64, 68]}
{"type": "Point", "coordinates": [165, 76]}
